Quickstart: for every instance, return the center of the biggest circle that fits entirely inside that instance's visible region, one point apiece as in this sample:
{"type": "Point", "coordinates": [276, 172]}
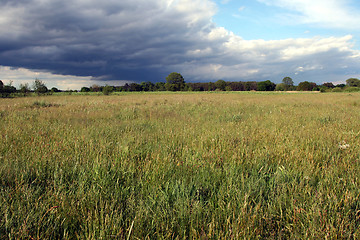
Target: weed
{"type": "Point", "coordinates": [43, 104]}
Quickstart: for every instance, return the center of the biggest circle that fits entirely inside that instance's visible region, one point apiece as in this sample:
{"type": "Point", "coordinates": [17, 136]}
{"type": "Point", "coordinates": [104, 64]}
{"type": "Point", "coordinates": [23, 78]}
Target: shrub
{"type": "Point", "coordinates": [39, 87]}
{"type": "Point", "coordinates": [42, 104]}
{"type": "Point", "coordinates": [280, 87]}
{"type": "Point", "coordinates": [107, 90]}
{"type": "Point", "coordinates": [352, 89]}
{"type": "Point", "coordinates": [337, 89]}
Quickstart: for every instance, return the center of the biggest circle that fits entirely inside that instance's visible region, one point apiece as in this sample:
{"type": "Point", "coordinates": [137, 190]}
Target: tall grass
{"type": "Point", "coordinates": [180, 166]}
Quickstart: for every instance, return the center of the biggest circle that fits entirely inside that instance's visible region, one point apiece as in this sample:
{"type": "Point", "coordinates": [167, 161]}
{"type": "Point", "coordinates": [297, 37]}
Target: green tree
{"type": "Point", "coordinates": [220, 85]}
{"type": "Point", "coordinates": [1, 86]}
{"type": "Point", "coordinates": [353, 82]}
{"type": "Point", "coordinates": [188, 87]}
{"type": "Point", "coordinates": [228, 88]}
{"type": "Point", "coordinates": [147, 86]}
{"type": "Point", "coordinates": [211, 86]}
{"type": "Point", "coordinates": [107, 90]}
{"type": "Point", "coordinates": [328, 85]}
{"type": "Point", "coordinates": [95, 88]}
{"type": "Point", "coordinates": [266, 86]}
{"type": "Point", "coordinates": [306, 86]}
{"type": "Point", "coordinates": [175, 82]}
{"type": "Point", "coordinates": [160, 86]}
{"type": "Point", "coordinates": [39, 87]}
{"type": "Point", "coordinates": [288, 83]}
{"type": "Point", "coordinates": [341, 85]}
{"type": "Point", "coordinates": [126, 87]}
{"type": "Point", "coordinates": [134, 87]}
{"type": "Point", "coordinates": [7, 90]}
{"type": "Point", "coordinates": [85, 89]}
{"type": "Point", "coordinates": [280, 87]}
{"type": "Point", "coordinates": [24, 88]}
{"type": "Point", "coordinates": [54, 89]}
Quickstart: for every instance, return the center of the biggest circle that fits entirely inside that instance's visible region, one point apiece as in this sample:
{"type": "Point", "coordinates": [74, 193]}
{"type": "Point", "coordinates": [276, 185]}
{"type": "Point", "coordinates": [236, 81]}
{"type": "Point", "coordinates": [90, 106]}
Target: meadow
{"type": "Point", "coordinates": [215, 165]}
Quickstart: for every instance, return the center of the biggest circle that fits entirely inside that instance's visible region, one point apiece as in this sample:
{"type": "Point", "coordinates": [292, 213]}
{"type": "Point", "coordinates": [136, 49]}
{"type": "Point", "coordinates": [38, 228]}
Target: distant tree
{"type": "Point", "coordinates": [280, 87]}
{"type": "Point", "coordinates": [324, 89]}
{"type": "Point", "coordinates": [211, 86]}
{"type": "Point", "coordinates": [126, 87]}
{"type": "Point", "coordinates": [134, 87]}
{"type": "Point", "coordinates": [220, 85]}
{"type": "Point", "coordinates": [175, 82]}
{"type": "Point", "coordinates": [7, 90]}
{"type": "Point", "coordinates": [228, 88]}
{"type": "Point", "coordinates": [306, 86]}
{"type": "Point", "coordinates": [328, 85]}
{"type": "Point", "coordinates": [54, 90]}
{"type": "Point", "coordinates": [160, 86]}
{"type": "Point", "coordinates": [24, 88]}
{"type": "Point", "coordinates": [95, 88]}
{"type": "Point", "coordinates": [192, 87]}
{"type": "Point", "coordinates": [232, 86]}
{"type": "Point", "coordinates": [250, 86]}
{"type": "Point", "coordinates": [119, 89]}
{"type": "Point", "coordinates": [197, 87]}
{"type": "Point", "coordinates": [266, 86]}
{"type": "Point", "coordinates": [39, 87]}
{"type": "Point", "coordinates": [1, 88]}
{"type": "Point", "coordinates": [189, 86]}
{"type": "Point", "coordinates": [147, 86]}
{"type": "Point", "coordinates": [85, 89]}
{"type": "Point", "coordinates": [341, 85]}
{"type": "Point", "coordinates": [204, 86]}
{"type": "Point", "coordinates": [289, 83]}
{"type": "Point", "coordinates": [107, 90]}
{"type": "Point", "coordinates": [237, 86]}
{"type": "Point", "coordinates": [353, 82]}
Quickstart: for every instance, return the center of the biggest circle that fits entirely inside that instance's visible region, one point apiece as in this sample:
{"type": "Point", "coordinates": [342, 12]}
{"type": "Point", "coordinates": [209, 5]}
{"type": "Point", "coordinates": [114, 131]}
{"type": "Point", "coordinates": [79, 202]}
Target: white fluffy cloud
{"type": "Point", "coordinates": [237, 58]}
{"type": "Point", "coordinates": [144, 40]}
{"type": "Point", "coordinates": [325, 13]}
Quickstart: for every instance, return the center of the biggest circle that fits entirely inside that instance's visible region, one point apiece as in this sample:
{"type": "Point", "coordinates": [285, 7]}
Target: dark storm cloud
{"type": "Point", "coordinates": [120, 39]}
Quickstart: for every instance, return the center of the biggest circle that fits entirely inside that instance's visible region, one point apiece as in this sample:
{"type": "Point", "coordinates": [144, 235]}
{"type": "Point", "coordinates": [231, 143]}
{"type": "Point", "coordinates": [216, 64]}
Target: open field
{"type": "Point", "coordinates": [181, 166]}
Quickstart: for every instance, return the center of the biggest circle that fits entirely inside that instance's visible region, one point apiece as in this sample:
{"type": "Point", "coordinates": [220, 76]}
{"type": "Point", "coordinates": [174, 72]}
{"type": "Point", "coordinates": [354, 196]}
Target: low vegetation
{"type": "Point", "coordinates": [175, 83]}
{"type": "Point", "coordinates": [180, 166]}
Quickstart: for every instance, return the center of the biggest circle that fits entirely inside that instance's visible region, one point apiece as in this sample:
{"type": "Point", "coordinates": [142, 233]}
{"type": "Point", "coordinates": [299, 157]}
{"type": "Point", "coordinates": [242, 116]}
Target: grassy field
{"type": "Point", "coordinates": [181, 166]}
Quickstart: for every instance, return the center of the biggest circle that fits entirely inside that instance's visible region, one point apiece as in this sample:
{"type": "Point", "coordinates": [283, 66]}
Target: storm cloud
{"type": "Point", "coordinates": [144, 40]}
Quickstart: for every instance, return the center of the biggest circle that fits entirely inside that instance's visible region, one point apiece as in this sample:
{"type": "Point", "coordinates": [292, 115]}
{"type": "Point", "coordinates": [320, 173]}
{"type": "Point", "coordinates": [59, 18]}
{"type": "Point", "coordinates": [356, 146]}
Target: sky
{"type": "Point", "coordinates": [71, 44]}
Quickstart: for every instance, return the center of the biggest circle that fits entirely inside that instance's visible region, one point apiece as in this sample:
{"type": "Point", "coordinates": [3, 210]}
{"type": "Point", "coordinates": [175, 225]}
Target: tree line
{"type": "Point", "coordinates": [38, 87]}
{"type": "Point", "coordinates": [175, 82]}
